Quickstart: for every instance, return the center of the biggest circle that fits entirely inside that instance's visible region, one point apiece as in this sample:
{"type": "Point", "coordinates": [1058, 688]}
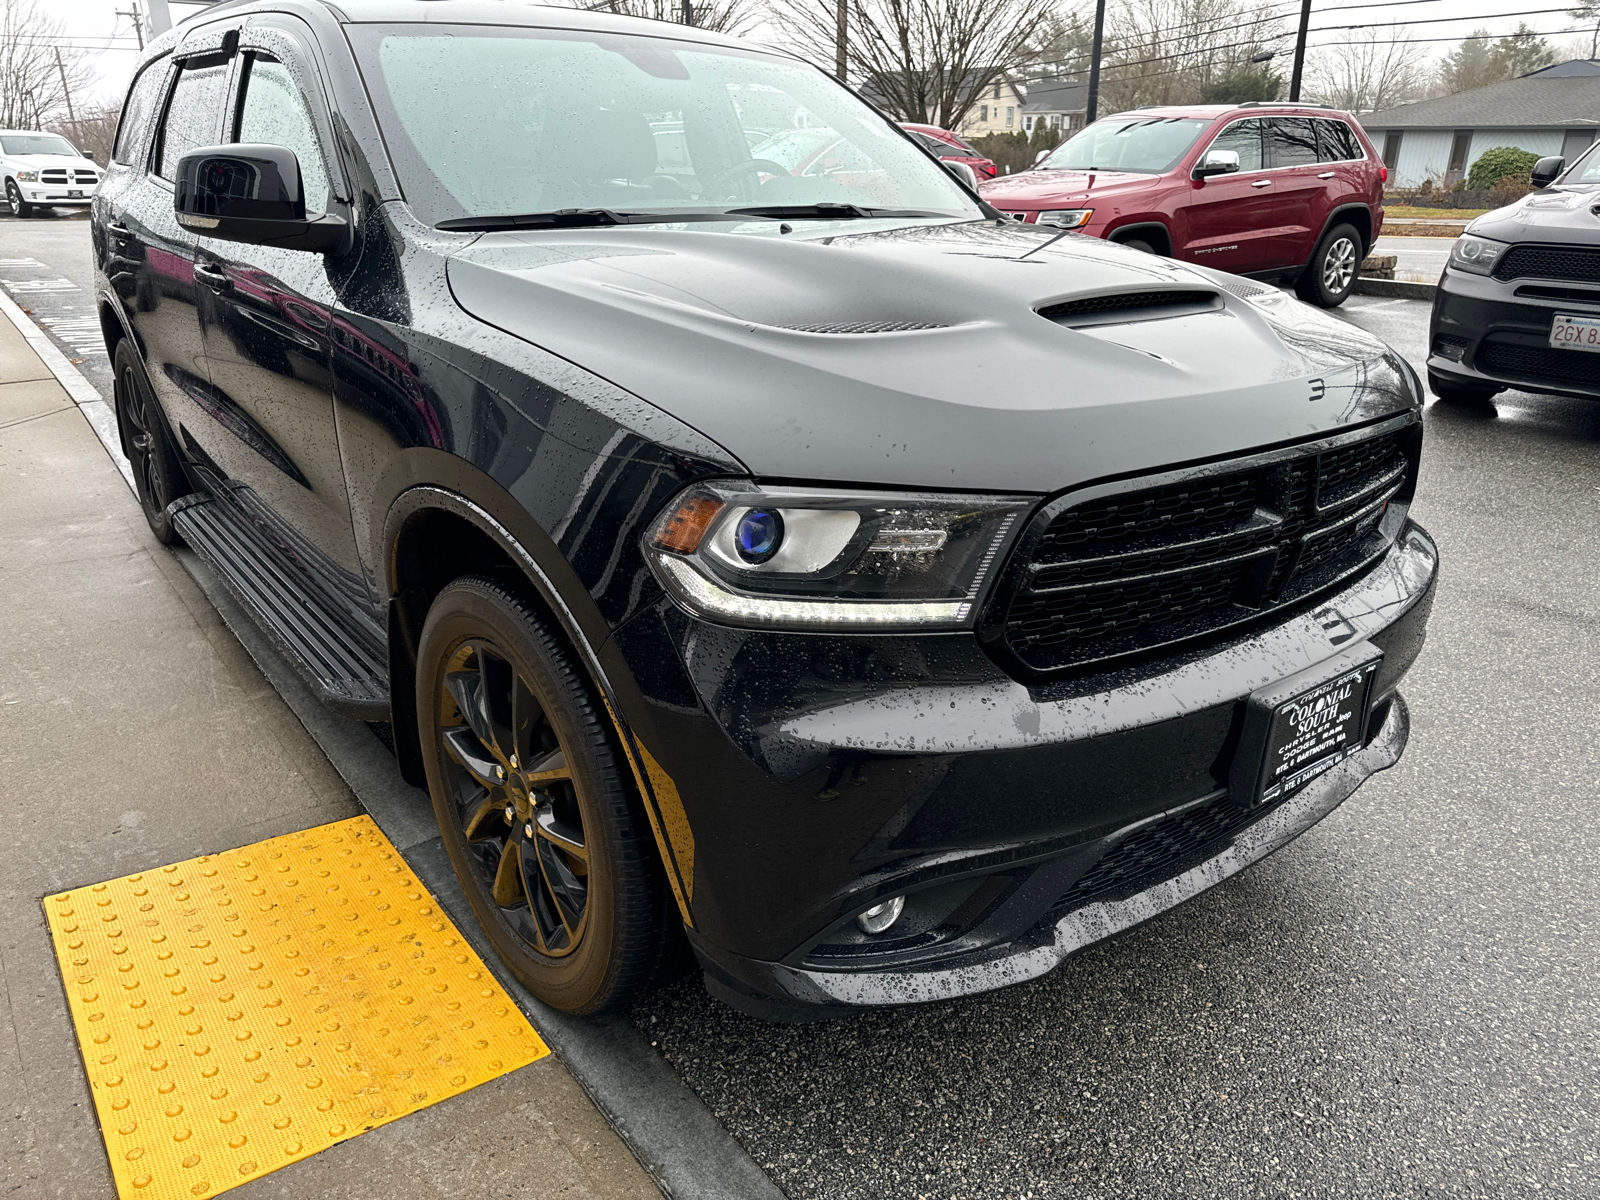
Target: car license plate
{"type": "Point", "coordinates": [74, 193]}
{"type": "Point", "coordinates": [1575, 333]}
{"type": "Point", "coordinates": [1314, 731]}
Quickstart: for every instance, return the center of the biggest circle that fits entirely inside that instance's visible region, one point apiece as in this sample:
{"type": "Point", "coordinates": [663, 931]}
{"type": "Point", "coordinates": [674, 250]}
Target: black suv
{"type": "Point", "coordinates": [1518, 304]}
{"type": "Point", "coordinates": [641, 485]}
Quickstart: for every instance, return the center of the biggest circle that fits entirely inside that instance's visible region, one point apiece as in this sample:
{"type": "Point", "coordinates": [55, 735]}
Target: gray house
{"type": "Point", "coordinates": [1057, 103]}
{"type": "Point", "coordinates": [1553, 111]}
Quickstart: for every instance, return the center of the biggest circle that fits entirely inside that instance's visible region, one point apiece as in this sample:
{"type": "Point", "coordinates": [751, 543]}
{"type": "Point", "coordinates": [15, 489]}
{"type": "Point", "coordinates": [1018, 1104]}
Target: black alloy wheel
{"type": "Point", "coordinates": [1331, 274]}
{"type": "Point", "coordinates": [538, 818]}
{"type": "Point", "coordinates": [14, 201]}
{"type": "Point", "coordinates": [158, 476]}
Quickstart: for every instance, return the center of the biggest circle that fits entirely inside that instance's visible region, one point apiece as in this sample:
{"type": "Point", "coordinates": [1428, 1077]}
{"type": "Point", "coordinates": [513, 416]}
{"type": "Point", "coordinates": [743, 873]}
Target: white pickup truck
{"type": "Point", "coordinates": [44, 170]}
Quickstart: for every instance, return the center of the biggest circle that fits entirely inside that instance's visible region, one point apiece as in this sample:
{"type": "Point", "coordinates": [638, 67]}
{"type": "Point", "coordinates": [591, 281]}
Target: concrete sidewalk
{"type": "Point", "coordinates": [136, 731]}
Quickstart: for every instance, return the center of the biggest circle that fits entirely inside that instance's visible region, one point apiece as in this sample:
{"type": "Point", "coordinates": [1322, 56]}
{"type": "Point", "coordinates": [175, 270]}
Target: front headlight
{"type": "Point", "coordinates": [28, 176]}
{"type": "Point", "coordinates": [1066, 218]}
{"type": "Point", "coordinates": [815, 558]}
{"type": "Point", "coordinates": [1475, 254]}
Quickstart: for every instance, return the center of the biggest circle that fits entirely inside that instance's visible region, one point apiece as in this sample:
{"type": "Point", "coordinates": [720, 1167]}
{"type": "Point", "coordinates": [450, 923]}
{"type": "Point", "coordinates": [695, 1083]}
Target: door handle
{"type": "Point", "coordinates": [1325, 175]}
{"type": "Point", "coordinates": [1262, 183]}
{"type": "Point", "coordinates": [214, 279]}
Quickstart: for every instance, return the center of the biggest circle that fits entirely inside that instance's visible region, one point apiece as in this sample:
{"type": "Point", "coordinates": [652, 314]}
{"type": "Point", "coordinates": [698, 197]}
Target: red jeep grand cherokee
{"type": "Point", "coordinates": [1274, 191]}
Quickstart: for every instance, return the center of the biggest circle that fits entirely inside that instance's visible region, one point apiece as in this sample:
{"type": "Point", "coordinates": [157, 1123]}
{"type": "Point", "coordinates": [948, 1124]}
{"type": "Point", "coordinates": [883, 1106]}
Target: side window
{"type": "Point", "coordinates": [194, 114]}
{"type": "Point", "coordinates": [1291, 142]}
{"type": "Point", "coordinates": [1337, 141]}
{"type": "Point", "coordinates": [1244, 139]}
{"type": "Point", "coordinates": [144, 98]}
{"type": "Point", "coordinates": [275, 113]}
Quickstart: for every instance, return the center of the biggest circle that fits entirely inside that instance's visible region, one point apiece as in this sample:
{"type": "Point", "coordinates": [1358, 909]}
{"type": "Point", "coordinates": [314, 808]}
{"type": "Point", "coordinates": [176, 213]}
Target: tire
{"type": "Point", "coordinates": [1138, 244]}
{"type": "Point", "coordinates": [158, 475]}
{"type": "Point", "coordinates": [1331, 273]}
{"type": "Point", "coordinates": [19, 207]}
{"type": "Point", "coordinates": [498, 701]}
{"type": "Point", "coordinates": [1455, 393]}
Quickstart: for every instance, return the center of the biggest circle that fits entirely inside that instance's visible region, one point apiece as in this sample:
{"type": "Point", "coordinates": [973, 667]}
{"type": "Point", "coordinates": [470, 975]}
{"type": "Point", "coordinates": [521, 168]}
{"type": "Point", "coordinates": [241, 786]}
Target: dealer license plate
{"type": "Point", "coordinates": [74, 193]}
{"type": "Point", "coordinates": [1575, 333]}
{"type": "Point", "coordinates": [1316, 730]}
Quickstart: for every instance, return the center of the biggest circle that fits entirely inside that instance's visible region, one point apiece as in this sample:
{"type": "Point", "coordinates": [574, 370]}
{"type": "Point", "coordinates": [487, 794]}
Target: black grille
{"type": "Point", "coordinates": [1500, 358]}
{"type": "Point", "coordinates": [866, 326]}
{"type": "Point", "coordinates": [1148, 568]}
{"type": "Point", "coordinates": [1094, 306]}
{"type": "Point", "coordinates": [1159, 851]}
{"type": "Point", "coordinates": [1550, 262]}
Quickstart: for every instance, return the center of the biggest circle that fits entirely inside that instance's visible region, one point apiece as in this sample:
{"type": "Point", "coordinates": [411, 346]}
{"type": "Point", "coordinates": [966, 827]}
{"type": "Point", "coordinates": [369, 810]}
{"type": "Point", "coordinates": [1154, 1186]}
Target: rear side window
{"type": "Point", "coordinates": [1291, 142]}
{"type": "Point", "coordinates": [1244, 139]}
{"type": "Point", "coordinates": [144, 98]}
{"type": "Point", "coordinates": [1336, 141]}
{"type": "Point", "coordinates": [274, 112]}
{"type": "Point", "coordinates": [194, 114]}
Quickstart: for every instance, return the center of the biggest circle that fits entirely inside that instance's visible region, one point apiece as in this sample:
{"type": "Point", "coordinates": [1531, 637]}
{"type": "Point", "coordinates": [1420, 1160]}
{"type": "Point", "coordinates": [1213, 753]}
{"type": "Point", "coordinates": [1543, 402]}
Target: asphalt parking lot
{"type": "Point", "coordinates": [1404, 1002]}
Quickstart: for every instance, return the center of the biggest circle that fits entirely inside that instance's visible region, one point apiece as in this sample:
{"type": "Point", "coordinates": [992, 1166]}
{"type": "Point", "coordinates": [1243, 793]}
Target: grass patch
{"type": "Point", "coordinates": [1405, 212]}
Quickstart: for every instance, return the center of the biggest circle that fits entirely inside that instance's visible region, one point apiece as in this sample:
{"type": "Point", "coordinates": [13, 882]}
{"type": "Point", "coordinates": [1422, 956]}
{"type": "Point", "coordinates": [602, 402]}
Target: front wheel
{"type": "Point", "coordinates": [158, 476]}
{"type": "Point", "coordinates": [1331, 273]}
{"type": "Point", "coordinates": [536, 813]}
{"type": "Point", "coordinates": [14, 201]}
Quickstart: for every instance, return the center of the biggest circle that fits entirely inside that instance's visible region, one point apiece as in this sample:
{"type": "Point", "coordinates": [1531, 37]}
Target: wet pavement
{"type": "Point", "coordinates": [1418, 259]}
{"type": "Point", "coordinates": [1403, 1002]}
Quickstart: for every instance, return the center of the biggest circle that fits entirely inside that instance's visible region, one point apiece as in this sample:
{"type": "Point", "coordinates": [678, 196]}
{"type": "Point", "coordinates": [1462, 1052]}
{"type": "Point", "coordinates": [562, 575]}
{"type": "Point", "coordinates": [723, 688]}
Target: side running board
{"type": "Point", "coordinates": [347, 674]}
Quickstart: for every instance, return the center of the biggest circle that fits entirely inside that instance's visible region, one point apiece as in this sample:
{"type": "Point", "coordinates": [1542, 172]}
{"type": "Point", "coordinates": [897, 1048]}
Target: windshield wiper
{"type": "Point", "coordinates": [575, 218]}
{"type": "Point", "coordinates": [827, 210]}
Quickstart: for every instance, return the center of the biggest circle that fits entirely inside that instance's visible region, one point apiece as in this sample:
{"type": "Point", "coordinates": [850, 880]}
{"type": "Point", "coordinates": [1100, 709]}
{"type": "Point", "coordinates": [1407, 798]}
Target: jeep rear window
{"type": "Point", "coordinates": [1146, 145]}
{"type": "Point", "coordinates": [578, 120]}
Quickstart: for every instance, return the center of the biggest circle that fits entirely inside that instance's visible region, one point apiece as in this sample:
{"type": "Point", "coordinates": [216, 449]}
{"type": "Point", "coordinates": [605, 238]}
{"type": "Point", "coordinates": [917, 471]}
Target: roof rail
{"type": "Point", "coordinates": [1284, 104]}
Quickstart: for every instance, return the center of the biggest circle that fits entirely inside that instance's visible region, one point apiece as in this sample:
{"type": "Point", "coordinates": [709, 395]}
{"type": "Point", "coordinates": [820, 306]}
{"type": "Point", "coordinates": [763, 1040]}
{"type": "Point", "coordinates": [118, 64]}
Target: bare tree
{"type": "Point", "coordinates": [1589, 14]}
{"type": "Point", "coordinates": [1370, 72]}
{"type": "Point", "coordinates": [719, 16]}
{"type": "Point", "coordinates": [922, 60]}
{"type": "Point", "coordinates": [33, 89]}
{"type": "Point", "coordinates": [1175, 51]}
{"type": "Point", "coordinates": [93, 131]}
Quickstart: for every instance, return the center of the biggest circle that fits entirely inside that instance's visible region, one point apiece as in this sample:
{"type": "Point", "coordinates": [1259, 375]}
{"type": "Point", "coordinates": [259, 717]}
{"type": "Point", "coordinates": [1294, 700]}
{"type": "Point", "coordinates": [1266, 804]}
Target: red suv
{"type": "Point", "coordinates": [1275, 191]}
{"type": "Point", "coordinates": [943, 144]}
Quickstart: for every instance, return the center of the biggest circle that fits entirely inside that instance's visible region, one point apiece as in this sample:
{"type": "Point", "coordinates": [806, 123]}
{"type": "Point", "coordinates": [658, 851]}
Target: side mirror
{"type": "Point", "coordinates": [1217, 162]}
{"type": "Point", "coordinates": [251, 193]}
{"type": "Point", "coordinates": [1546, 170]}
{"type": "Point", "coordinates": [962, 172]}
{"type": "Point", "coordinates": [1040, 157]}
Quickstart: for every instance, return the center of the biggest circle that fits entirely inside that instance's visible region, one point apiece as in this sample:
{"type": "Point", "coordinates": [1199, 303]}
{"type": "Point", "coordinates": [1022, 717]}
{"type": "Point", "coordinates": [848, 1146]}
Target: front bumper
{"type": "Point", "coordinates": [811, 777]}
{"type": "Point", "coordinates": [1490, 334]}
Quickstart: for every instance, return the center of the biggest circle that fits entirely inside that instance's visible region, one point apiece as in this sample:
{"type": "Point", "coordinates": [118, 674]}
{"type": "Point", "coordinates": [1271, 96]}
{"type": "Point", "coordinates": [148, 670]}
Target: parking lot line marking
{"type": "Point", "coordinates": [241, 1011]}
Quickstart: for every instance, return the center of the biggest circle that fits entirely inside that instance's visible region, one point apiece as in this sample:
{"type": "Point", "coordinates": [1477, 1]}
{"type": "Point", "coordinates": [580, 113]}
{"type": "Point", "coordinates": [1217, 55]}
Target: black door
{"type": "Point", "coordinates": [154, 258]}
{"type": "Point", "coordinates": [266, 322]}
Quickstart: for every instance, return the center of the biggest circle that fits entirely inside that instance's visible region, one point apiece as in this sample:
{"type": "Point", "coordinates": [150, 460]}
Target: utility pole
{"type": "Point", "coordinates": [137, 18]}
{"type": "Point", "coordinates": [1299, 52]}
{"type": "Point", "coordinates": [1092, 108]}
{"type": "Point", "coordinates": [841, 40]}
{"type": "Point", "coordinates": [66, 92]}
{"type": "Point", "coordinates": [688, 12]}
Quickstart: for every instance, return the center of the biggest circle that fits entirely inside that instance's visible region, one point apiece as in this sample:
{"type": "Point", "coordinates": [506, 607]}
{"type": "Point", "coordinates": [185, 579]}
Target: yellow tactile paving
{"type": "Point", "coordinates": [240, 1011]}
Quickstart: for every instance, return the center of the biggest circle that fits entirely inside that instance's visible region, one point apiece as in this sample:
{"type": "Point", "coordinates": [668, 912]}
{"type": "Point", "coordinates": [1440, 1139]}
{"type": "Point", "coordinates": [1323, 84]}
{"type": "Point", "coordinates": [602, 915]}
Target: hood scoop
{"type": "Point", "coordinates": [866, 326]}
{"type": "Point", "coordinates": [1123, 307]}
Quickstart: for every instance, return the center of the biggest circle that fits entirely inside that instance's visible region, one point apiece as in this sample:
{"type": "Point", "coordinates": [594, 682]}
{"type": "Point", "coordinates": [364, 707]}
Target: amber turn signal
{"type": "Point", "coordinates": [682, 531]}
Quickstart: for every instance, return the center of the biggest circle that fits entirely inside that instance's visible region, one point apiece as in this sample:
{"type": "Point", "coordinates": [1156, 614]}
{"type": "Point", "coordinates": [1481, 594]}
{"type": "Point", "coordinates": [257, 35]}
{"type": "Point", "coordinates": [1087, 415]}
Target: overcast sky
{"type": "Point", "coordinates": [95, 25]}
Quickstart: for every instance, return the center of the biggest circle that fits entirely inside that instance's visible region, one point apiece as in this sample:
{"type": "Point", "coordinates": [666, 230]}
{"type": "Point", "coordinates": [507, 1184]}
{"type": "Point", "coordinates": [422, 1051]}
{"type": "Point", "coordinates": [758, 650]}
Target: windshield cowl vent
{"type": "Point", "coordinates": [866, 326]}
{"type": "Point", "coordinates": [1129, 306]}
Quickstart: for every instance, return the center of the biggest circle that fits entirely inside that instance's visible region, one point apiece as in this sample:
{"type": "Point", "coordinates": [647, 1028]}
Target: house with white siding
{"type": "Point", "coordinates": [1553, 111]}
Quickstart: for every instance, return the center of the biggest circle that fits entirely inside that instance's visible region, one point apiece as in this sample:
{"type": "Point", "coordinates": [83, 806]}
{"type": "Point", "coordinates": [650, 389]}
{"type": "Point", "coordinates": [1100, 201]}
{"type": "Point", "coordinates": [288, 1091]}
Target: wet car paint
{"type": "Point", "coordinates": [482, 378]}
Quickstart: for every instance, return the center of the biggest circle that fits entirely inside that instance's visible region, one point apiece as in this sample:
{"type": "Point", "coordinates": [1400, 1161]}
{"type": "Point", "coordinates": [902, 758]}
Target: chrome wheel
{"type": "Point", "coordinates": [1339, 265]}
{"type": "Point", "coordinates": [514, 799]}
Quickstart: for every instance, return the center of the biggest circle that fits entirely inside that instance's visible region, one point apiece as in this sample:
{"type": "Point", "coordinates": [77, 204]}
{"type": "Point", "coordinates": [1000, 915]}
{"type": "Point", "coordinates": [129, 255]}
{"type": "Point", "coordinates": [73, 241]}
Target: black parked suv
{"type": "Point", "coordinates": [646, 490]}
{"type": "Point", "coordinates": [1518, 304]}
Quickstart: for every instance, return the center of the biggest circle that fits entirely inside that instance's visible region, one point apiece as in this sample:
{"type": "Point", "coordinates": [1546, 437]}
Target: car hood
{"type": "Point", "coordinates": [51, 160]}
{"type": "Point", "coordinates": [1036, 188]}
{"type": "Point", "coordinates": [1561, 214]}
{"type": "Point", "coordinates": [757, 341]}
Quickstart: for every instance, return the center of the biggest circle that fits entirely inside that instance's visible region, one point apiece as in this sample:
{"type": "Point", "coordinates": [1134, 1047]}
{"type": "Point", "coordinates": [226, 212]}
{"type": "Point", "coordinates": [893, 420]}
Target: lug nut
{"type": "Point", "coordinates": [528, 829]}
{"type": "Point", "coordinates": [511, 813]}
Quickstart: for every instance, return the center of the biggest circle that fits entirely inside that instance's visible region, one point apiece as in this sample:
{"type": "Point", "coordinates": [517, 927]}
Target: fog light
{"type": "Point", "coordinates": [880, 916]}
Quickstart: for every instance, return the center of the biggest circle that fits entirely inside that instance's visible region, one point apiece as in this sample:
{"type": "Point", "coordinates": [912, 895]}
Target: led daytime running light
{"type": "Point", "coordinates": [738, 608]}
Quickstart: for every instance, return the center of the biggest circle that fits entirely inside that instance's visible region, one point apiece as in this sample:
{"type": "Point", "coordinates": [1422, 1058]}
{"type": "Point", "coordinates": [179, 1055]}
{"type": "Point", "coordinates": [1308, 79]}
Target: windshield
{"type": "Point", "coordinates": [36, 143]}
{"type": "Point", "coordinates": [1586, 170]}
{"type": "Point", "coordinates": [579, 120]}
{"type": "Point", "coordinates": [1149, 145]}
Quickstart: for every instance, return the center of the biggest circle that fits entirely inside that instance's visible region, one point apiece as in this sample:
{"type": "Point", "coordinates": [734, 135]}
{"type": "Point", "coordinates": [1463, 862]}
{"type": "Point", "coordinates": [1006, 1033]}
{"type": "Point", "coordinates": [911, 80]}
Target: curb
{"type": "Point", "coordinates": [1399, 288]}
{"type": "Point", "coordinates": [682, 1147]}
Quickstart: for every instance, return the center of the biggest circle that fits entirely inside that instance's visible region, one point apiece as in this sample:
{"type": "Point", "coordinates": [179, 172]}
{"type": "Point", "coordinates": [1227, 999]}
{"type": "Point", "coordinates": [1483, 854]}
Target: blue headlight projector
{"type": "Point", "coordinates": [759, 534]}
